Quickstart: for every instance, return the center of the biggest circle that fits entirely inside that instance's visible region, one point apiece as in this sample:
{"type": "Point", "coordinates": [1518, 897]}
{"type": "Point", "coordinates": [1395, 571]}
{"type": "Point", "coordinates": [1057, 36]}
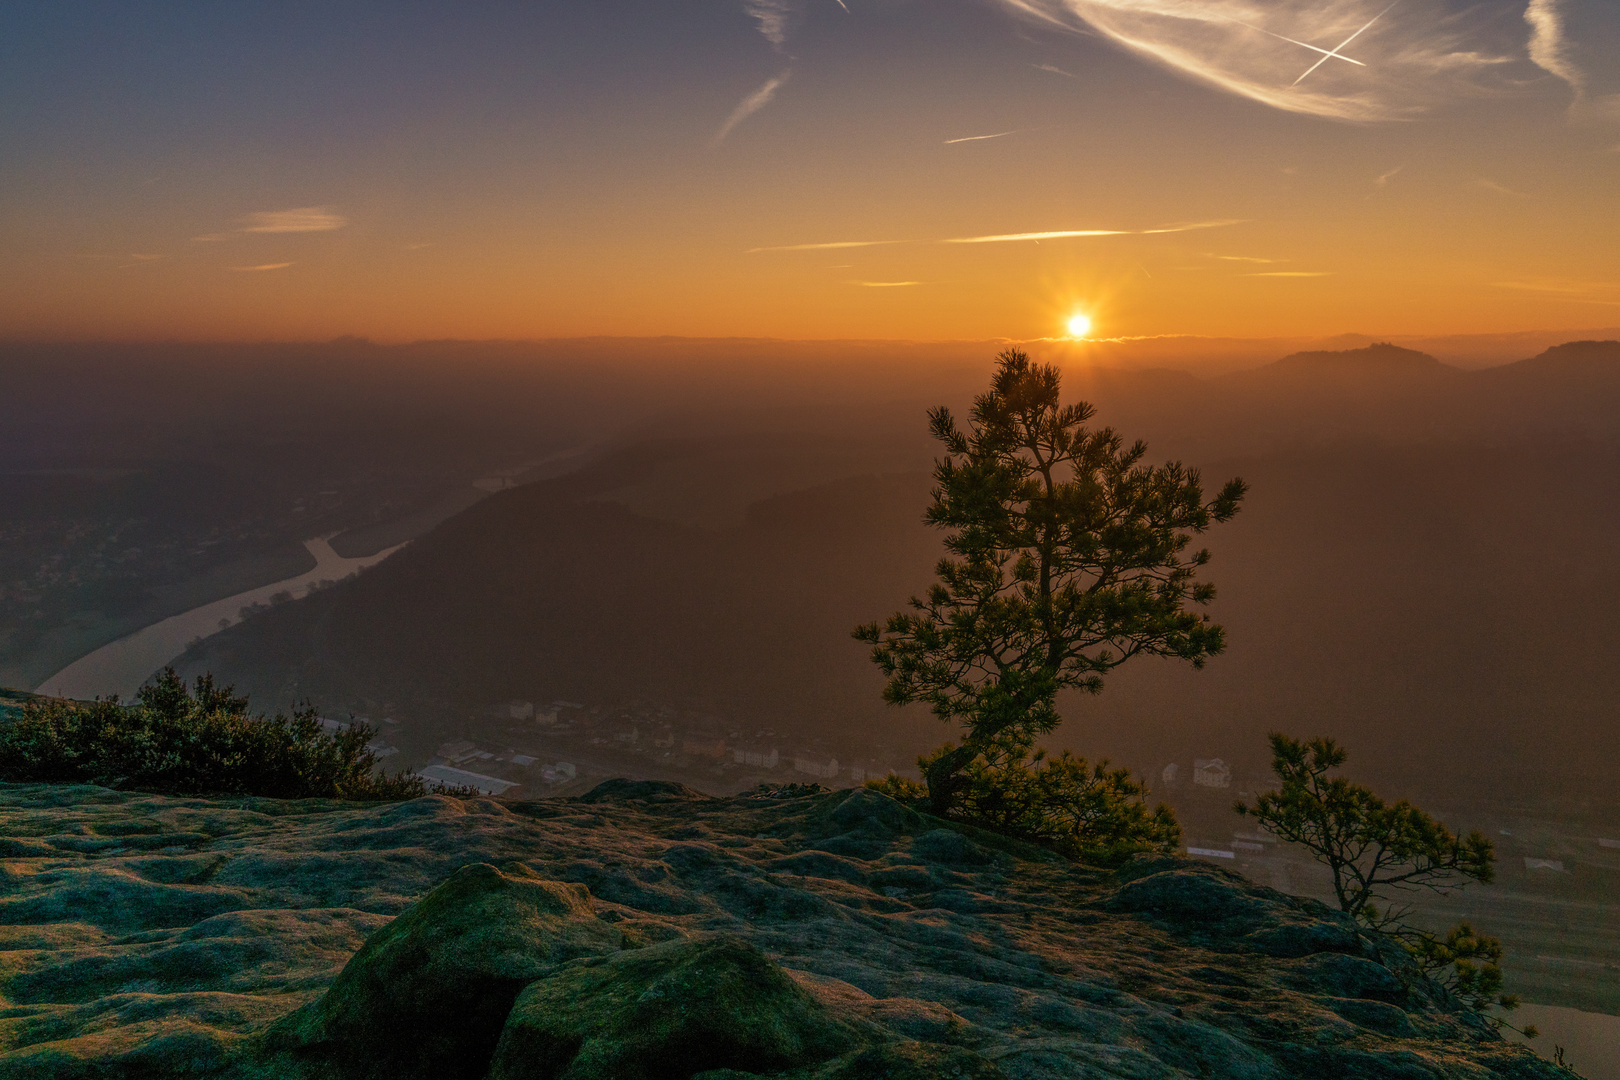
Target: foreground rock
{"type": "Point", "coordinates": [646, 931]}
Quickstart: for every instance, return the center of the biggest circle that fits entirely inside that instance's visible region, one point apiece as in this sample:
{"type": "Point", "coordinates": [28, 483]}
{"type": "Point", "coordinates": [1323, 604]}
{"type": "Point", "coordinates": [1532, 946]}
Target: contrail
{"type": "Point", "coordinates": [1327, 56]}
{"type": "Point", "coordinates": [750, 105]}
{"type": "Point", "coordinates": [977, 138]}
{"type": "Point", "coordinates": [1301, 44]}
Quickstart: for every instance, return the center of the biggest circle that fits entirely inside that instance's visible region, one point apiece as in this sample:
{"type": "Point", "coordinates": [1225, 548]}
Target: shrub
{"type": "Point", "coordinates": [201, 741]}
{"type": "Point", "coordinates": [1374, 848]}
{"type": "Point", "coordinates": [1084, 810]}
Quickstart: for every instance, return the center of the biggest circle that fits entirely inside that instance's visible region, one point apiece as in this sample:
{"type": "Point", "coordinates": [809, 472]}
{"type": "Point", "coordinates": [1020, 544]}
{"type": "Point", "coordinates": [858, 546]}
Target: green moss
{"type": "Point", "coordinates": [667, 1012]}
{"type": "Point", "coordinates": [427, 995]}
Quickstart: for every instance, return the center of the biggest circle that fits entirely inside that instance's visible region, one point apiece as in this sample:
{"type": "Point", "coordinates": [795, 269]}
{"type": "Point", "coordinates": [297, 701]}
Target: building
{"type": "Point", "coordinates": [816, 765]}
{"type": "Point", "coordinates": [452, 777]}
{"type": "Point", "coordinates": [1213, 773]}
{"type": "Point", "coordinates": [1170, 774]}
{"type": "Point", "coordinates": [458, 750]}
{"type": "Point", "coordinates": [521, 710]}
{"type": "Point", "coordinates": [763, 759]}
{"type": "Point", "coordinates": [704, 746]}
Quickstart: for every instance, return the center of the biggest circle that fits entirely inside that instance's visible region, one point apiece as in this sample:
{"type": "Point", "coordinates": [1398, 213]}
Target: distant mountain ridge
{"type": "Point", "coordinates": [1571, 357]}
{"type": "Point", "coordinates": [1380, 359]}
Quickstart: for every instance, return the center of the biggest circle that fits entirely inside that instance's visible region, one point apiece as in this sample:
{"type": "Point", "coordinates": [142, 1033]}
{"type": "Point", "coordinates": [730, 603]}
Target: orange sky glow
{"type": "Point", "coordinates": [801, 171]}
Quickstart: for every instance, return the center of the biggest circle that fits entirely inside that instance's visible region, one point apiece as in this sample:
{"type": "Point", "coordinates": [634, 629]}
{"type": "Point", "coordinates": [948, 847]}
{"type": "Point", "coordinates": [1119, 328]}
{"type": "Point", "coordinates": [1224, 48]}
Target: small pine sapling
{"type": "Point", "coordinates": [1374, 848]}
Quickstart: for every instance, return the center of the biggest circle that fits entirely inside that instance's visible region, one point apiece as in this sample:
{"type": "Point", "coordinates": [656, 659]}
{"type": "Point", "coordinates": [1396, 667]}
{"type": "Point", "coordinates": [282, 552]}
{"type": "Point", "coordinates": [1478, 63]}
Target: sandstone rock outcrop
{"type": "Point", "coordinates": [647, 931]}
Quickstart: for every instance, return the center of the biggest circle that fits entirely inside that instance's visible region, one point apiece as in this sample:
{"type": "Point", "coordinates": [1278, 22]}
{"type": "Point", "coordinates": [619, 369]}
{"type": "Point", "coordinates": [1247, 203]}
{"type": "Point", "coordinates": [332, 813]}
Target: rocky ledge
{"type": "Point", "coordinates": [647, 931]}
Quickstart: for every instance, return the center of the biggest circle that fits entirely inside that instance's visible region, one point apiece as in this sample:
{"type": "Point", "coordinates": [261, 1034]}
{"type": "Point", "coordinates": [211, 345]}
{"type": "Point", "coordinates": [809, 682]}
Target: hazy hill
{"type": "Point", "coordinates": [1377, 361]}
{"type": "Point", "coordinates": [1423, 580]}
{"type": "Point", "coordinates": [1597, 358]}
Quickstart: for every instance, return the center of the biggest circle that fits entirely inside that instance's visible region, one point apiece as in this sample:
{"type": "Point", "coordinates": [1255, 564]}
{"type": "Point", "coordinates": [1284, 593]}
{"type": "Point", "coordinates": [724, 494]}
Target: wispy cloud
{"type": "Point", "coordinates": [1548, 48]}
{"type": "Point", "coordinates": [1056, 234]}
{"type": "Point", "coordinates": [303, 219]}
{"type": "Point", "coordinates": [772, 16]}
{"type": "Point", "coordinates": [263, 266]}
{"type": "Point", "coordinates": [210, 238]}
{"type": "Point", "coordinates": [1245, 258]}
{"type": "Point", "coordinates": [831, 245]}
{"type": "Point", "coordinates": [1190, 226]}
{"type": "Point", "coordinates": [1383, 181]}
{"type": "Point", "coordinates": [1398, 65]}
{"type": "Point", "coordinates": [750, 105]}
{"type": "Point", "coordinates": [1008, 238]}
{"type": "Point", "coordinates": [885, 284]}
{"type": "Point", "coordinates": [980, 138]}
{"type": "Point", "coordinates": [1055, 70]}
{"type": "Point", "coordinates": [1291, 273]}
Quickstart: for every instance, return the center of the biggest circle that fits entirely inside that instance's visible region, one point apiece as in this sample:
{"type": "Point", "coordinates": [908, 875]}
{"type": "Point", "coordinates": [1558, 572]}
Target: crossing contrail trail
{"type": "Point", "coordinates": [1301, 44]}
{"type": "Point", "coordinates": [1335, 52]}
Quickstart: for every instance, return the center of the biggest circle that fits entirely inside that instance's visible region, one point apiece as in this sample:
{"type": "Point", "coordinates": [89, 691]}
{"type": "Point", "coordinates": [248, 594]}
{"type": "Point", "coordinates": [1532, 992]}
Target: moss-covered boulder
{"type": "Point", "coordinates": [668, 1012]}
{"type": "Point", "coordinates": [427, 995]}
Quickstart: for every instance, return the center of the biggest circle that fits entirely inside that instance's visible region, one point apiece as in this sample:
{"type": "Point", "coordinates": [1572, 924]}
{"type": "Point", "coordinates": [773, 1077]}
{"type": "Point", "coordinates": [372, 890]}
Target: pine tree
{"type": "Point", "coordinates": [1067, 557]}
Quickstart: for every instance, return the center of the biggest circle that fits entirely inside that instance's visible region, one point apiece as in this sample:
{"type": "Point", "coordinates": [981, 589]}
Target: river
{"type": "Point", "coordinates": [120, 667]}
{"type": "Point", "coordinates": [1591, 1041]}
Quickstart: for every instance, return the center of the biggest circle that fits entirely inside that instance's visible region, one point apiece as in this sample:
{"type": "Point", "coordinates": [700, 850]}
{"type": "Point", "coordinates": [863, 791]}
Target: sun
{"type": "Point", "coordinates": [1079, 325]}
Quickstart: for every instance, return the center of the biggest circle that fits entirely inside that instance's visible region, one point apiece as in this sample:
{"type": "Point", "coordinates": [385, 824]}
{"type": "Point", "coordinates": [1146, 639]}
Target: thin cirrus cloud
{"type": "Point", "coordinates": [1549, 48]}
{"type": "Point", "coordinates": [980, 138]}
{"type": "Point", "coordinates": [262, 266]}
{"type": "Point", "coordinates": [304, 219]}
{"type": "Point", "coordinates": [1007, 238]}
{"type": "Point", "coordinates": [772, 16]}
{"type": "Point", "coordinates": [750, 105]}
{"type": "Point", "coordinates": [1056, 234]}
{"type": "Point", "coordinates": [1398, 61]}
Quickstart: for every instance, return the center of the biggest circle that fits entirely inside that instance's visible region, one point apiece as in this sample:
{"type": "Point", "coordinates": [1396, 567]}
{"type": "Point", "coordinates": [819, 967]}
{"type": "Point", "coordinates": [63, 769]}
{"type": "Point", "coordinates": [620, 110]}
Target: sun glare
{"type": "Point", "coordinates": [1079, 326]}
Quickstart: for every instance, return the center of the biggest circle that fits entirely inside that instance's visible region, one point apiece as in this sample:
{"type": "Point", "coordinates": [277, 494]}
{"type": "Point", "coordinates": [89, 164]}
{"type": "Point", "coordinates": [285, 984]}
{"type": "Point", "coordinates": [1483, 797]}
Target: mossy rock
{"type": "Point", "coordinates": [668, 1012]}
{"type": "Point", "coordinates": [915, 1061]}
{"type": "Point", "coordinates": [426, 996]}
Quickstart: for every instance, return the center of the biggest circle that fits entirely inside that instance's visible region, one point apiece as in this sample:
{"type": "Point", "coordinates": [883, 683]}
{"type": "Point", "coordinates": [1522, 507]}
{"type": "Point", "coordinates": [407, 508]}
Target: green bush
{"type": "Point", "coordinates": [1085, 810]}
{"type": "Point", "coordinates": [177, 741]}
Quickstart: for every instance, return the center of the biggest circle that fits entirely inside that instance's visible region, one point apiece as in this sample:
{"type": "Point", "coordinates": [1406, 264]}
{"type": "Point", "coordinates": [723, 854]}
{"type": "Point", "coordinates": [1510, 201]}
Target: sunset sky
{"type": "Point", "coordinates": [807, 168]}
